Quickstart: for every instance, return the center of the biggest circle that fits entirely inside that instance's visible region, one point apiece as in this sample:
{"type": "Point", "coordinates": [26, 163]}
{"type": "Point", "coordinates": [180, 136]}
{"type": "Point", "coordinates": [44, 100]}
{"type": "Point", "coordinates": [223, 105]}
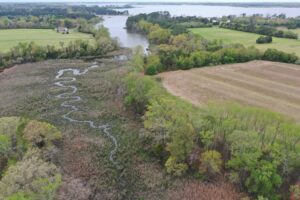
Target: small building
{"type": "Point", "coordinates": [62, 30]}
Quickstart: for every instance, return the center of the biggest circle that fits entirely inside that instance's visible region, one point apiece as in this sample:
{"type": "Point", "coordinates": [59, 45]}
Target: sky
{"type": "Point", "coordinates": [164, 1]}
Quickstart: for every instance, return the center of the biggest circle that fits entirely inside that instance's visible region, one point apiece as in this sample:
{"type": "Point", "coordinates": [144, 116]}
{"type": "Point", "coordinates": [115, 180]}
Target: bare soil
{"type": "Point", "coordinates": [271, 85]}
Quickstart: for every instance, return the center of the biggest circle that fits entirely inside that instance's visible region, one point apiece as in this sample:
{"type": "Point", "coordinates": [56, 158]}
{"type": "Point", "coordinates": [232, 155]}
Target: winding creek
{"type": "Point", "coordinates": [71, 98]}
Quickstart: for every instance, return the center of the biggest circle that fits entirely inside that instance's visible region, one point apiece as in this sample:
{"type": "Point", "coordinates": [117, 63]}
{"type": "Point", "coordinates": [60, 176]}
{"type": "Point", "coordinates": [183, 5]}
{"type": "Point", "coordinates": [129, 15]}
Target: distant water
{"type": "Point", "coordinates": [212, 11]}
{"type": "Point", "coordinates": [116, 26]}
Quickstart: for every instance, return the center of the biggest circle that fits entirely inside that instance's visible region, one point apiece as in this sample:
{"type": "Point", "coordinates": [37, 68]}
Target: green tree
{"type": "Point", "coordinates": [137, 60]}
{"type": "Point", "coordinates": [159, 35]}
{"type": "Point", "coordinates": [210, 162]}
{"type": "Point", "coordinates": [264, 179]}
{"type": "Point", "coordinates": [174, 167]}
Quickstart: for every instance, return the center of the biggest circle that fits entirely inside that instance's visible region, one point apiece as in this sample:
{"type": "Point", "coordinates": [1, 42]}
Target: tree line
{"type": "Point", "coordinates": [177, 25]}
{"type": "Point", "coordinates": [47, 22]}
{"type": "Point", "coordinates": [31, 52]}
{"type": "Point", "coordinates": [270, 20]}
{"type": "Point", "coordinates": [186, 51]}
{"type": "Point", "coordinates": [257, 149]}
{"type": "Point", "coordinates": [62, 11]}
{"type": "Point", "coordinates": [255, 24]}
{"type": "Point", "coordinates": [263, 30]}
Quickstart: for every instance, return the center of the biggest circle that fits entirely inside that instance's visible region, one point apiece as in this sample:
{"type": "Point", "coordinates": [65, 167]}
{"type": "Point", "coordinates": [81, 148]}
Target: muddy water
{"type": "Point", "coordinates": [70, 98]}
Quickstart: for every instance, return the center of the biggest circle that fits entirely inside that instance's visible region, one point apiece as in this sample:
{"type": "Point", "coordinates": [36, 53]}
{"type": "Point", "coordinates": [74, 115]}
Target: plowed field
{"type": "Point", "coordinates": [275, 86]}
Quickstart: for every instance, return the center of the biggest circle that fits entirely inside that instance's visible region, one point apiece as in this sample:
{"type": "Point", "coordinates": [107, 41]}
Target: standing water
{"type": "Point", "coordinates": [116, 26]}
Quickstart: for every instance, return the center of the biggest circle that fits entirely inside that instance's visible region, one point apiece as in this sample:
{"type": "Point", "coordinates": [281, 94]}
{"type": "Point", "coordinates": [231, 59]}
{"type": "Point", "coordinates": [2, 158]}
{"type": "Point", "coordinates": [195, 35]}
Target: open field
{"type": "Point", "coordinates": [248, 39]}
{"type": "Point", "coordinates": [275, 86]}
{"type": "Point", "coordinates": [296, 31]}
{"type": "Point", "coordinates": [293, 30]}
{"type": "Point", "coordinates": [11, 37]}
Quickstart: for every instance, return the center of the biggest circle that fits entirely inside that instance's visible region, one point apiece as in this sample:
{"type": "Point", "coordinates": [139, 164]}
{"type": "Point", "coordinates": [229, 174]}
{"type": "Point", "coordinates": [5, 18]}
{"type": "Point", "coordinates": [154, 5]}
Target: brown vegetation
{"type": "Point", "coordinates": [195, 190]}
{"type": "Point", "coordinates": [82, 156]}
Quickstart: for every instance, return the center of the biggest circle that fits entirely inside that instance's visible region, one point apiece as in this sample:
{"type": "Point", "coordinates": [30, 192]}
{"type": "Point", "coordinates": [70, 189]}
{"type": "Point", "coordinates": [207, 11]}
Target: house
{"type": "Point", "coordinates": [62, 30]}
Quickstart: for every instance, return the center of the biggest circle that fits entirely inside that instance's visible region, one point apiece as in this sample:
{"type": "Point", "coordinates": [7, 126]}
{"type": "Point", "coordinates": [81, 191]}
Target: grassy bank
{"type": "Point", "coordinates": [10, 38]}
{"type": "Point", "coordinates": [247, 39]}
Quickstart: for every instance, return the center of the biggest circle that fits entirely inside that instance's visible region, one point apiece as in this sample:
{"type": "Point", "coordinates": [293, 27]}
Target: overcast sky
{"type": "Point", "coordinates": [149, 1]}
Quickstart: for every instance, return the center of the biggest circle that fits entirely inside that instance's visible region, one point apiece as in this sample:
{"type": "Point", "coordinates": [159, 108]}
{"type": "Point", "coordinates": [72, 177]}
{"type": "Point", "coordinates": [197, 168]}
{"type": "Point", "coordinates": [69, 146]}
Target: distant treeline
{"type": "Point", "coordinates": [177, 25]}
{"type": "Point", "coordinates": [49, 16]}
{"type": "Point", "coordinates": [263, 30]}
{"type": "Point", "coordinates": [173, 51]}
{"type": "Point", "coordinates": [255, 23]}
{"type": "Point", "coordinates": [234, 4]}
{"type": "Point", "coordinates": [62, 11]}
{"type": "Point", "coordinates": [256, 4]}
{"type": "Point", "coordinates": [30, 52]}
{"type": "Point", "coordinates": [47, 22]}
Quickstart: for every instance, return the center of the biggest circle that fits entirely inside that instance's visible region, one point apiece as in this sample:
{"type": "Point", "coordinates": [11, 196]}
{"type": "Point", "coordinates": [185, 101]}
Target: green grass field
{"type": "Point", "coordinates": [296, 31]}
{"type": "Point", "coordinates": [293, 30]}
{"type": "Point", "coordinates": [11, 37]}
{"type": "Point", "coordinates": [248, 39]}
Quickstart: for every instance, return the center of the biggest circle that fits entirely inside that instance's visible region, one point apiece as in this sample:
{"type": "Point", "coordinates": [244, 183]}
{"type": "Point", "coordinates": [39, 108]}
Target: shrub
{"type": "Point", "coordinates": [151, 70]}
{"type": "Point", "coordinates": [11, 143]}
{"type": "Point", "coordinates": [32, 176]}
{"type": "Point", "coordinates": [138, 92]}
{"type": "Point", "coordinates": [264, 179]}
{"type": "Point", "coordinates": [5, 145]}
{"type": "Point", "coordinates": [137, 61]}
{"type": "Point", "coordinates": [264, 39]}
{"type": "Point", "coordinates": [210, 162]}
{"type": "Point", "coordinates": [40, 134]}
{"type": "Point", "coordinates": [175, 168]}
{"type": "Point", "coordinates": [9, 125]}
{"type": "Point", "coordinates": [19, 196]}
{"type": "Point", "coordinates": [280, 56]}
{"type": "Point", "coordinates": [290, 34]}
{"type": "Point", "coordinates": [169, 122]}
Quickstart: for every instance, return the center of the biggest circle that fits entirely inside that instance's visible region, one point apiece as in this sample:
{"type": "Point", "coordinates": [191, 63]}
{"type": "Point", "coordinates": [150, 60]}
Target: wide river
{"type": "Point", "coordinates": [116, 24]}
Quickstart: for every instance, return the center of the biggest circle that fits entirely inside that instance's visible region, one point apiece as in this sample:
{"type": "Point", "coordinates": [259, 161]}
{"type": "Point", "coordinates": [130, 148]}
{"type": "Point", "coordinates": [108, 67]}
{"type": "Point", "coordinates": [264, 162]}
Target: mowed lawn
{"type": "Point", "coordinates": [11, 37]}
{"type": "Point", "coordinates": [248, 39]}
